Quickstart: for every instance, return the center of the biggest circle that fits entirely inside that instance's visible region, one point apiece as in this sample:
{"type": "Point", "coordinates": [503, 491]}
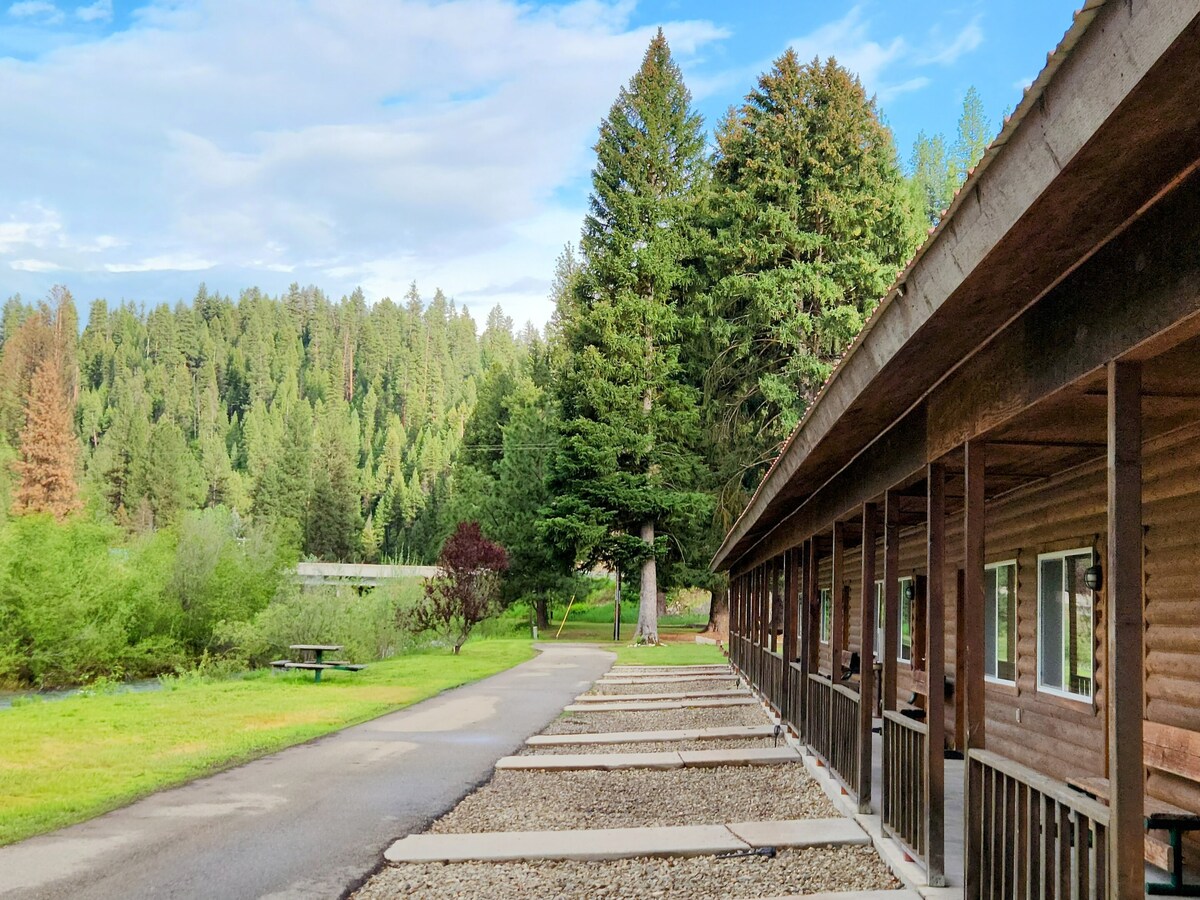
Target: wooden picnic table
{"type": "Point", "coordinates": [314, 660]}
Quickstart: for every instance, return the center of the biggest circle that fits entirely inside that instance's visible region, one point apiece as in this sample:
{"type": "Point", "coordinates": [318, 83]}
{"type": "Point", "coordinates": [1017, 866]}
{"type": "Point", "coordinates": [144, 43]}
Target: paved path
{"type": "Point", "coordinates": [310, 821]}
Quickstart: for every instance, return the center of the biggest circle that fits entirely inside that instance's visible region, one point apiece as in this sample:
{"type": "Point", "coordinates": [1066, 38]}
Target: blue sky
{"type": "Point", "coordinates": [152, 146]}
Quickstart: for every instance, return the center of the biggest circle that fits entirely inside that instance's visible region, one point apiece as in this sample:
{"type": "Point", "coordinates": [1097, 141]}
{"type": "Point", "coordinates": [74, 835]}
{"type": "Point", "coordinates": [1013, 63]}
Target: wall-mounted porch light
{"type": "Point", "coordinates": [1094, 577]}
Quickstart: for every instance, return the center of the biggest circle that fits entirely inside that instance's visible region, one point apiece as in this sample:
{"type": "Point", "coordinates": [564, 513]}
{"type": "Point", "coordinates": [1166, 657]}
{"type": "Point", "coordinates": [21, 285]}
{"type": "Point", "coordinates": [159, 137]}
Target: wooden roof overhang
{"type": "Point", "coordinates": [1084, 208]}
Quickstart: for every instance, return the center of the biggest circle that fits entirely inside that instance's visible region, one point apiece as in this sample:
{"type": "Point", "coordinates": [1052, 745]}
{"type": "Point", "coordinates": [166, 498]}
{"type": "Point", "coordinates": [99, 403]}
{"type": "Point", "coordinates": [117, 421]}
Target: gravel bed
{"type": "Point", "coordinates": [556, 801]}
{"type": "Point", "coordinates": [654, 746]}
{"type": "Point", "coordinates": [657, 720]}
{"type": "Point", "coordinates": [694, 878]}
{"type": "Point", "coordinates": [677, 687]}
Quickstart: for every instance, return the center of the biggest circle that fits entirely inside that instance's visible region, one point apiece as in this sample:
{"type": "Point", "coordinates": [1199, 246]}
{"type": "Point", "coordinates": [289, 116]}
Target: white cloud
{"type": "Point", "coordinates": [181, 263]}
{"type": "Point", "coordinates": [848, 40]}
{"type": "Point", "coordinates": [34, 265]}
{"type": "Point", "coordinates": [256, 136]}
{"type": "Point", "coordinates": [41, 10]}
{"type": "Point", "coordinates": [964, 42]}
{"type": "Point", "coordinates": [100, 11]}
{"type": "Point", "coordinates": [891, 91]}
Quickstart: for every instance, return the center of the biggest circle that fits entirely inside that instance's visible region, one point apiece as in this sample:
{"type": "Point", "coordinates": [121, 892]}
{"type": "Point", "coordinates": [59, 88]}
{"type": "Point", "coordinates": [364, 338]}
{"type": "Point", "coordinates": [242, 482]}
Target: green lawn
{"type": "Point", "coordinates": [673, 654]}
{"type": "Point", "coordinates": [68, 760]}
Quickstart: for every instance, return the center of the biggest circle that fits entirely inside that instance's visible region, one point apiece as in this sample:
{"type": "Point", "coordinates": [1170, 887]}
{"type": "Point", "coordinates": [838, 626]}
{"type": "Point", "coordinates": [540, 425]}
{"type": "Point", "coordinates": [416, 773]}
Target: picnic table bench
{"type": "Point", "coordinates": [1177, 752]}
{"type": "Point", "coordinates": [314, 660]}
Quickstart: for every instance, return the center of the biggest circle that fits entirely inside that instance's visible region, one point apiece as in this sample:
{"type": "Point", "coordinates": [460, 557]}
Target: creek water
{"type": "Point", "coordinates": [132, 687]}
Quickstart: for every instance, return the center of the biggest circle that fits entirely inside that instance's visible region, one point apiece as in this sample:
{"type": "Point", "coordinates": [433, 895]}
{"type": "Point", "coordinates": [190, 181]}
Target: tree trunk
{"type": "Point", "coordinates": [542, 612]}
{"type": "Point", "coordinates": [647, 627]}
{"type": "Point", "coordinates": [718, 613]}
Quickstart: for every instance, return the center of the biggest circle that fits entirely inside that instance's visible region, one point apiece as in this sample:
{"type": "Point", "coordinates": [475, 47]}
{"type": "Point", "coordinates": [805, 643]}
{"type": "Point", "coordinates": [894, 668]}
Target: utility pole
{"type": "Point", "coordinates": [617, 609]}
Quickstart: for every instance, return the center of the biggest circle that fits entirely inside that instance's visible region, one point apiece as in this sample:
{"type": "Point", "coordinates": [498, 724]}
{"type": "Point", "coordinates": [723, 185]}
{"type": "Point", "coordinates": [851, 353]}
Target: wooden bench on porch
{"type": "Point", "coordinates": [1177, 752]}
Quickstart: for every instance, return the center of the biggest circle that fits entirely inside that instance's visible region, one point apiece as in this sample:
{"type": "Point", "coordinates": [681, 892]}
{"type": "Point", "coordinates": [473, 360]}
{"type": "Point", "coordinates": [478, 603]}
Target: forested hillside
{"type": "Point", "coordinates": [338, 422]}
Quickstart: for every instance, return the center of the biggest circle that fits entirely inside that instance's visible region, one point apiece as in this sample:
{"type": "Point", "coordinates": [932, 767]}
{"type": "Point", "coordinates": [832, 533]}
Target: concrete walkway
{"type": "Point", "coordinates": [625, 843]}
{"type": "Point", "coordinates": [736, 699]}
{"type": "Point", "coordinates": [310, 821]}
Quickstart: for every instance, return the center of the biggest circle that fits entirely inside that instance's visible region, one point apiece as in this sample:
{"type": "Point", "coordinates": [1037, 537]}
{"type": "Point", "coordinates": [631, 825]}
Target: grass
{"type": "Point", "coordinates": [68, 760]}
{"type": "Point", "coordinates": [679, 654]}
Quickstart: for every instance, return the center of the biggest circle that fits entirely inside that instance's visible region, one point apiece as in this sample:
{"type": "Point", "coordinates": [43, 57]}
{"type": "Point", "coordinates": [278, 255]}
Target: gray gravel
{"type": "Point", "coordinates": [556, 801]}
{"type": "Point", "coordinates": [677, 687]}
{"type": "Point", "coordinates": [653, 746]}
{"type": "Point", "coordinates": [695, 878]}
{"type": "Point", "coordinates": [657, 720]}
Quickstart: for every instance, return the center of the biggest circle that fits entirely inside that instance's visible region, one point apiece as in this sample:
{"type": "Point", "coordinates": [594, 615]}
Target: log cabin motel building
{"type": "Point", "coordinates": [970, 583]}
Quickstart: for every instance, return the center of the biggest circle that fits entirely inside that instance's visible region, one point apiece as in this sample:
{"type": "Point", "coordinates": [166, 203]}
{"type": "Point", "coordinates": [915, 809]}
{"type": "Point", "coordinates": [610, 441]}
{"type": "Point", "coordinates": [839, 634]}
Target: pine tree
{"type": "Point", "coordinates": [49, 450]}
{"type": "Point", "coordinates": [808, 220]}
{"type": "Point", "coordinates": [974, 132]}
{"type": "Point", "coordinates": [629, 465]}
{"type": "Point", "coordinates": [933, 174]}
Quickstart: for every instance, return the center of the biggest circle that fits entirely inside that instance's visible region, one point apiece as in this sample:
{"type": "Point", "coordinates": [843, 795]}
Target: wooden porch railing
{"type": "Point", "coordinates": [903, 802]}
{"type": "Point", "coordinates": [816, 726]}
{"type": "Point", "coordinates": [773, 684]}
{"type": "Point", "coordinates": [843, 737]}
{"type": "Point", "coordinates": [795, 699]}
{"type": "Point", "coordinates": [1029, 836]}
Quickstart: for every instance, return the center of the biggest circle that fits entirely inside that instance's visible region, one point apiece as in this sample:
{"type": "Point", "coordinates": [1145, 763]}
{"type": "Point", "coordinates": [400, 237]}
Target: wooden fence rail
{"type": "Point", "coordinates": [1029, 836]}
{"type": "Point", "coordinates": [844, 736]}
{"type": "Point", "coordinates": [903, 802]}
{"type": "Point", "coordinates": [774, 685]}
{"type": "Point", "coordinates": [794, 712]}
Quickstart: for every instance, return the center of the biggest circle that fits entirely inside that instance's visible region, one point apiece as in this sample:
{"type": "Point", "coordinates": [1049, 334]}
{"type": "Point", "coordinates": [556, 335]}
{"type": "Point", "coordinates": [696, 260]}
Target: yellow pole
{"type": "Point", "coordinates": [567, 613]}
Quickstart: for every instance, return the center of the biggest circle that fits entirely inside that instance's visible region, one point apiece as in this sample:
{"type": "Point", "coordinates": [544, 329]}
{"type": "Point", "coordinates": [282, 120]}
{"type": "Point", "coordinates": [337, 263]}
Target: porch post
{"type": "Point", "coordinates": [935, 669]}
{"type": "Point", "coordinates": [835, 597]}
{"type": "Point", "coordinates": [866, 654]}
{"type": "Point", "coordinates": [791, 593]}
{"type": "Point", "coordinates": [891, 596]}
{"type": "Point", "coordinates": [971, 650]}
{"type": "Point", "coordinates": [809, 633]}
{"type": "Point", "coordinates": [776, 602]}
{"type": "Point", "coordinates": [1125, 618]}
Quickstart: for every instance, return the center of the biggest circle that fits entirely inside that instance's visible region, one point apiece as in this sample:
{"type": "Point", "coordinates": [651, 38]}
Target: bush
{"type": "Point", "coordinates": [366, 626]}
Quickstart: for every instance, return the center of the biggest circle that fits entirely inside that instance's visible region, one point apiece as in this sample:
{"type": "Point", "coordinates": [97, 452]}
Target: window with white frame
{"type": "Point", "coordinates": [826, 614]}
{"type": "Point", "coordinates": [907, 587]}
{"type": "Point", "coordinates": [1065, 624]}
{"type": "Point", "coordinates": [1000, 621]}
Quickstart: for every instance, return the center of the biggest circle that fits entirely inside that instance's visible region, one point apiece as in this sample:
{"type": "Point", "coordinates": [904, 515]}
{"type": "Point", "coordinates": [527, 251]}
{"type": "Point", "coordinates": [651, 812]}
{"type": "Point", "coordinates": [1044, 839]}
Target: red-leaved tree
{"type": "Point", "coordinates": [466, 589]}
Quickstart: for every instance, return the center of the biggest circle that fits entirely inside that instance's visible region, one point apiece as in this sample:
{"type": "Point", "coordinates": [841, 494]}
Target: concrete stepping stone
{"type": "Point", "coordinates": [590, 844]}
{"type": "Point", "coordinates": [671, 670]}
{"type": "Point", "coordinates": [733, 732]}
{"type": "Point", "coordinates": [801, 833]}
{"type": "Point", "coordinates": [668, 759]}
{"type": "Point", "coordinates": [852, 895]}
{"type": "Point", "coordinates": [650, 698]}
{"type": "Point", "coordinates": [665, 679]}
{"type": "Point", "coordinates": [624, 843]}
{"type": "Point", "coordinates": [740, 699]}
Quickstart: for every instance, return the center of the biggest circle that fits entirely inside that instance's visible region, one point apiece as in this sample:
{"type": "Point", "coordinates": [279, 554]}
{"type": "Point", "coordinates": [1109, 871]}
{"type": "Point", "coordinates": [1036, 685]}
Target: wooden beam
{"type": "Point", "coordinates": [791, 605]}
{"type": "Point", "coordinates": [935, 668]}
{"type": "Point", "coordinates": [1055, 444]}
{"type": "Point", "coordinates": [810, 635]}
{"type": "Point", "coordinates": [1125, 625]}
{"type": "Point", "coordinates": [970, 685]}
{"type": "Point", "coordinates": [866, 656]}
{"type": "Point", "coordinates": [836, 644]}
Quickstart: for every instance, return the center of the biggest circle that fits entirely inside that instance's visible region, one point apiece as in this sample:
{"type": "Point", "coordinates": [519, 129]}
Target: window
{"type": "Point", "coordinates": [1065, 627]}
{"type": "Point", "coordinates": [826, 614]}
{"type": "Point", "coordinates": [906, 609]}
{"type": "Point", "coordinates": [1000, 621]}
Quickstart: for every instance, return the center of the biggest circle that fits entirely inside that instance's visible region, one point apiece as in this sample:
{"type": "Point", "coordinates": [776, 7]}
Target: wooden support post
{"type": "Point", "coordinates": [791, 593]}
{"type": "Point", "coordinates": [1125, 625]}
{"type": "Point", "coordinates": [866, 655]}
{"type": "Point", "coordinates": [935, 669]}
{"type": "Point", "coordinates": [809, 632]}
{"type": "Point", "coordinates": [970, 687]}
{"type": "Point", "coordinates": [776, 569]}
{"type": "Point", "coordinates": [960, 695]}
{"type": "Point", "coordinates": [891, 597]}
{"type": "Point", "coordinates": [838, 578]}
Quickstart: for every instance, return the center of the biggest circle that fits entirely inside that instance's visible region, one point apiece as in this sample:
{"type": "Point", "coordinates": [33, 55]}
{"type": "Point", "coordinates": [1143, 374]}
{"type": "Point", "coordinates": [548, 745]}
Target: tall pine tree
{"type": "Point", "coordinates": [49, 451]}
{"type": "Point", "coordinates": [629, 467]}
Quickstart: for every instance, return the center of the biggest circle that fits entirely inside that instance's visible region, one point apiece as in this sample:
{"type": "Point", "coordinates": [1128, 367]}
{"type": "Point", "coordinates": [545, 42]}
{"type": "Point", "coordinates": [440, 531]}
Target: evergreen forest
{"type": "Point", "coordinates": [163, 465]}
